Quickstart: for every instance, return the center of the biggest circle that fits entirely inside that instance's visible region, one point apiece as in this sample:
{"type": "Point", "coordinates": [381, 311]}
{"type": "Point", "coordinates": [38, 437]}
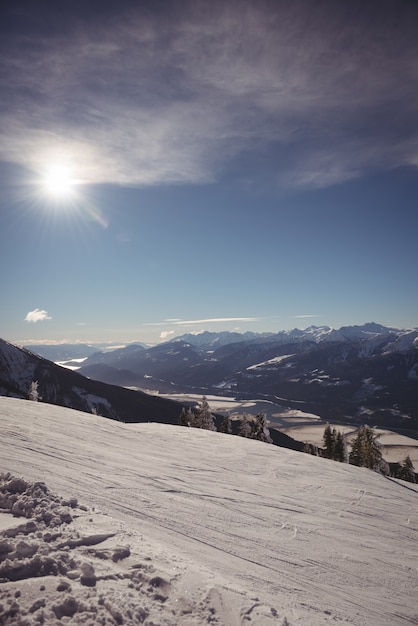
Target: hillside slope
{"type": "Point", "coordinates": [216, 529]}
{"type": "Point", "coordinates": [57, 385]}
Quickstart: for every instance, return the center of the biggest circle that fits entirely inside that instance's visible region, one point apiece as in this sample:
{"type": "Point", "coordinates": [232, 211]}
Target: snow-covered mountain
{"type": "Point", "coordinates": [361, 373]}
{"type": "Point", "coordinates": [157, 524]}
{"type": "Point", "coordinates": [368, 331]}
{"type": "Point", "coordinates": [212, 340]}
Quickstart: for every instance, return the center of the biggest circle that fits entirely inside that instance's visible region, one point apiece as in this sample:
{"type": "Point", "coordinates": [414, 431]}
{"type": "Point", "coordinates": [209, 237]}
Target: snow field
{"type": "Point", "coordinates": [213, 529]}
{"type": "Point", "coordinates": [64, 564]}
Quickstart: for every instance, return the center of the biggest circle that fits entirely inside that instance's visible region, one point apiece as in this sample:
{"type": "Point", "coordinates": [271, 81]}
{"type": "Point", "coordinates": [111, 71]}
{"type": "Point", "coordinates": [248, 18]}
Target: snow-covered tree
{"type": "Point", "coordinates": [187, 418]}
{"type": "Point", "coordinates": [310, 448]}
{"type": "Point", "coordinates": [407, 470]}
{"type": "Point", "coordinates": [201, 417]}
{"type": "Point", "coordinates": [244, 427]}
{"type": "Point", "coordinates": [33, 393]}
{"type": "Point", "coordinates": [259, 429]}
{"type": "Point", "coordinates": [226, 426]}
{"type": "Point", "coordinates": [204, 416]}
{"type": "Point", "coordinates": [183, 418]}
{"type": "Point", "coordinates": [255, 428]}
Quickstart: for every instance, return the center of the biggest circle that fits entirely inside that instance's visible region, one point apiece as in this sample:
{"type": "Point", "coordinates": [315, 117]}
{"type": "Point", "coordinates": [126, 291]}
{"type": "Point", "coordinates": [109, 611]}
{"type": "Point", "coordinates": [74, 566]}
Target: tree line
{"type": "Point", "coordinates": [365, 452]}
{"type": "Point", "coordinates": [365, 447]}
{"type": "Point", "coordinates": [202, 417]}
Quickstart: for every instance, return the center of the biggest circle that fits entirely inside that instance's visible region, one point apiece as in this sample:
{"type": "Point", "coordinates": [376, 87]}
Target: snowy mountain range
{"type": "Point", "coordinates": [363, 373]}
{"type": "Point", "coordinates": [109, 523]}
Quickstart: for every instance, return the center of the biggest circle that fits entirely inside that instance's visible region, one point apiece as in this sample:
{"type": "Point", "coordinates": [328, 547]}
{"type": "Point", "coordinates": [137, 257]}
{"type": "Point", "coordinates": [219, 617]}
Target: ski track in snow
{"type": "Point", "coordinates": [219, 529]}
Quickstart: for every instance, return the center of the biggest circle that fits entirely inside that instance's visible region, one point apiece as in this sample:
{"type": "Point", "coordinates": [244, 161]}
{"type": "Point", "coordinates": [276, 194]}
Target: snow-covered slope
{"type": "Point", "coordinates": [194, 527]}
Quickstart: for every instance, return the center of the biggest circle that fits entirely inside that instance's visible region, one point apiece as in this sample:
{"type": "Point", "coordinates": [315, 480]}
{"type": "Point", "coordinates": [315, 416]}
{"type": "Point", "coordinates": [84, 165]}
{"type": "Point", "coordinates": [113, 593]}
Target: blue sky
{"type": "Point", "coordinates": [235, 165]}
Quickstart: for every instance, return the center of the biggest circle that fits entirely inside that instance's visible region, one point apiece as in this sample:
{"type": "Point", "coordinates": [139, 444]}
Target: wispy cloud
{"type": "Point", "coordinates": [37, 315]}
{"type": "Point", "coordinates": [209, 320]}
{"type": "Point", "coordinates": [217, 320]}
{"type": "Point", "coordinates": [304, 316]}
{"type": "Point", "coordinates": [318, 94]}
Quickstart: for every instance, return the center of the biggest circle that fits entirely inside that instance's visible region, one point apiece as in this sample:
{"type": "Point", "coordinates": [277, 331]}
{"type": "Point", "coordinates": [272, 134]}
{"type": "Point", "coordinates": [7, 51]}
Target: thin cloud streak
{"type": "Point", "coordinates": [304, 316]}
{"type": "Point", "coordinates": [207, 321]}
{"type": "Point", "coordinates": [219, 320]}
{"type": "Point", "coordinates": [137, 100]}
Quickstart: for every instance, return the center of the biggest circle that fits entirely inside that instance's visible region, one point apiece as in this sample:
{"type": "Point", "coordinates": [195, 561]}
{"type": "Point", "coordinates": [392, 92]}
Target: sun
{"type": "Point", "coordinates": [59, 183]}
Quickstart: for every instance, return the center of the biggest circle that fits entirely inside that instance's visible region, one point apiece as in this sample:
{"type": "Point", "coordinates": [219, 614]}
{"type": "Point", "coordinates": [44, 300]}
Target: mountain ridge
{"type": "Point", "coordinates": [366, 374]}
{"type": "Point", "coordinates": [19, 368]}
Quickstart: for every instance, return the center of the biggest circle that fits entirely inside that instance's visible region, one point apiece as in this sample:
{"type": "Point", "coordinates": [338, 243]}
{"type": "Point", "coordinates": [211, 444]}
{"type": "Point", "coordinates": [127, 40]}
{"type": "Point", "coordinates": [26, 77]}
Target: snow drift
{"type": "Point", "coordinates": [111, 523]}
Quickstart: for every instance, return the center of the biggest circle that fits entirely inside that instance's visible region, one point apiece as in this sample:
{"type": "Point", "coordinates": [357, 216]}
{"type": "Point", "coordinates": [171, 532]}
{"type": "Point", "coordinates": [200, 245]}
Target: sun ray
{"type": "Point", "coordinates": [59, 188]}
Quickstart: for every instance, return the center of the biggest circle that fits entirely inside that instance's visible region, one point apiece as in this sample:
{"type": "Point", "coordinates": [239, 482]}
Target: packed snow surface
{"type": "Point", "coordinates": [161, 525]}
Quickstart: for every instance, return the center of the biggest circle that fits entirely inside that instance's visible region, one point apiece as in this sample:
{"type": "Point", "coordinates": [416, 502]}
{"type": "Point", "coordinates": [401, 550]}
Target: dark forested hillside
{"type": "Point", "coordinates": [20, 368]}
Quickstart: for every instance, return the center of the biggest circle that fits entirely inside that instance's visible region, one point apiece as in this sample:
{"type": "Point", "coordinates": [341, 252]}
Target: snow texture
{"type": "Point", "coordinates": [163, 525]}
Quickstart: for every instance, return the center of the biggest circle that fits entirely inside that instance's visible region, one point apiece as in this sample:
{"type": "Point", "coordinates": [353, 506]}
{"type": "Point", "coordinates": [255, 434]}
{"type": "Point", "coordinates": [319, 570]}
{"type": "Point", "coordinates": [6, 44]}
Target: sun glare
{"type": "Point", "coordinates": [59, 182]}
{"type": "Point", "coordinates": [58, 187]}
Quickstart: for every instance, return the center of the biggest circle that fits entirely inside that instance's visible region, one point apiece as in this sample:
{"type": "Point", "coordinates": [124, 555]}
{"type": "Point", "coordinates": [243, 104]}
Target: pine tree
{"type": "Point", "coordinates": [33, 393]}
{"type": "Point", "coordinates": [245, 427]}
{"type": "Point", "coordinates": [365, 451]}
{"type": "Point", "coordinates": [373, 454]}
{"type": "Point", "coordinates": [187, 418]}
{"type": "Point", "coordinates": [183, 421]}
{"type": "Point", "coordinates": [310, 448]}
{"type": "Point", "coordinates": [204, 417]}
{"type": "Point", "coordinates": [192, 418]}
{"type": "Point", "coordinates": [340, 448]}
{"type": "Point", "coordinates": [226, 426]}
{"type": "Point", "coordinates": [259, 429]}
{"type": "Point", "coordinates": [329, 439]}
{"type": "Point", "coordinates": [356, 455]}
{"type": "Point", "coordinates": [407, 470]}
